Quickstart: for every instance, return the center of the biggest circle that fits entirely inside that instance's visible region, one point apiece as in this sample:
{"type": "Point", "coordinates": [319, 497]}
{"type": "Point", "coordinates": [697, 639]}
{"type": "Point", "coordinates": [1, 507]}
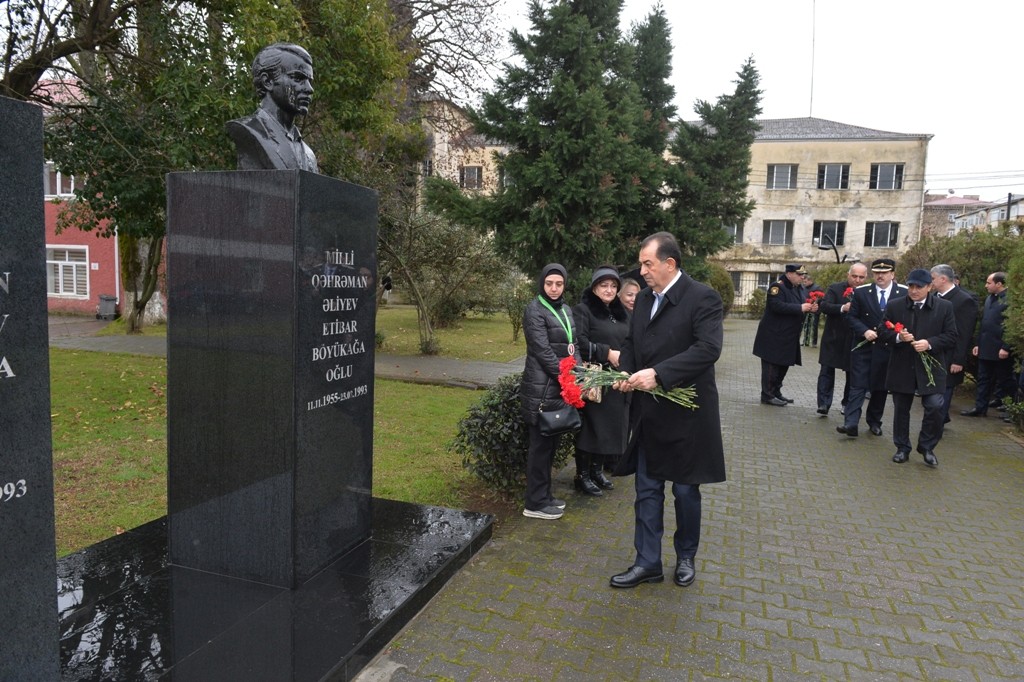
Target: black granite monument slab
{"type": "Point", "coordinates": [126, 614]}
{"type": "Point", "coordinates": [28, 626]}
{"type": "Point", "coordinates": [272, 276]}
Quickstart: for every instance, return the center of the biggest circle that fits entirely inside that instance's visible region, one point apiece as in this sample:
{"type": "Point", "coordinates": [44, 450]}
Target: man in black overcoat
{"type": "Point", "coordinates": [995, 359]}
{"type": "Point", "coordinates": [778, 333]}
{"type": "Point", "coordinates": [929, 328]}
{"type": "Point", "coordinates": [835, 340]}
{"type": "Point", "coordinates": [674, 340]}
{"type": "Point", "coordinates": [965, 312]}
{"type": "Point", "coordinates": [868, 363]}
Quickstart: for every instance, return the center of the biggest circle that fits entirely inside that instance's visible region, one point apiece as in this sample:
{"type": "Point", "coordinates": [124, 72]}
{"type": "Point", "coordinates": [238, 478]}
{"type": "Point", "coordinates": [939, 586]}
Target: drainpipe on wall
{"type": "Point", "coordinates": [117, 270]}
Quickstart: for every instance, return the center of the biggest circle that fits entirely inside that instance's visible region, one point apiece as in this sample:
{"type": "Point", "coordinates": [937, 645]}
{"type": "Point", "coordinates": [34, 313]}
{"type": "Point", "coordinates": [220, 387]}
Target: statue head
{"type": "Point", "coordinates": [283, 73]}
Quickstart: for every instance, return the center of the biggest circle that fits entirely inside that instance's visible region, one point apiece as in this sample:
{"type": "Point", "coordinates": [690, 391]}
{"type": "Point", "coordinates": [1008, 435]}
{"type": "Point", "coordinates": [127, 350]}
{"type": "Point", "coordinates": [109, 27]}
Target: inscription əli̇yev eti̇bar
{"type": "Point", "coordinates": [347, 328]}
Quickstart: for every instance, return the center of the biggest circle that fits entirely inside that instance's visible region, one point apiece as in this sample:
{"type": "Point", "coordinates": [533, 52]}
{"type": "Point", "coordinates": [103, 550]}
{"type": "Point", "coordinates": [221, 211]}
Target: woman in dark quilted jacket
{"type": "Point", "coordinates": [550, 336]}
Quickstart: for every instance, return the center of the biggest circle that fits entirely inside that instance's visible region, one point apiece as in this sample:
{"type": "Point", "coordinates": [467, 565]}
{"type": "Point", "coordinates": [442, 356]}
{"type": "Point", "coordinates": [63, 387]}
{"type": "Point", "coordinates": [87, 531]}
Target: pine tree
{"type": "Point", "coordinates": [570, 114]}
{"type": "Point", "coordinates": [708, 181]}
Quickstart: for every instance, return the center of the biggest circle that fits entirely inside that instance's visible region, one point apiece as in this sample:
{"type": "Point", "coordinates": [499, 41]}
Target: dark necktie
{"type": "Point", "coordinates": [657, 304]}
{"type": "Point", "coordinates": [881, 301]}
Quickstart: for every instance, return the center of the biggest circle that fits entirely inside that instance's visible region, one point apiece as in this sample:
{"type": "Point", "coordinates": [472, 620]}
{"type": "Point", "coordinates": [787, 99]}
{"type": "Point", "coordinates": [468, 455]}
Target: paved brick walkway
{"type": "Point", "coordinates": [820, 559]}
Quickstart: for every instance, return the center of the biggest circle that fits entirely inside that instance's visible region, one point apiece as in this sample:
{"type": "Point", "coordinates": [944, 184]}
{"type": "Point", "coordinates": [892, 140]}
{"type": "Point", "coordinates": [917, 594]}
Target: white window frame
{"type": "Point", "coordinates": [765, 280]}
{"type": "Point", "coordinates": [833, 176]}
{"type": "Point", "coordinates": [892, 234]}
{"type": "Point", "coordinates": [735, 230]}
{"type": "Point", "coordinates": [465, 181]}
{"type": "Point", "coordinates": [782, 176]}
{"type": "Point", "coordinates": [66, 278]}
{"type": "Point", "coordinates": [59, 180]}
{"type": "Point", "coordinates": [835, 229]}
{"type": "Point", "coordinates": [893, 176]}
{"type": "Point", "coordinates": [769, 232]}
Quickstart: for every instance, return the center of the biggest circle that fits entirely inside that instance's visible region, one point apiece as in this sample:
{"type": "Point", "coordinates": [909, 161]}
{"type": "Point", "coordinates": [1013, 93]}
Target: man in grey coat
{"type": "Point", "coordinates": [674, 340]}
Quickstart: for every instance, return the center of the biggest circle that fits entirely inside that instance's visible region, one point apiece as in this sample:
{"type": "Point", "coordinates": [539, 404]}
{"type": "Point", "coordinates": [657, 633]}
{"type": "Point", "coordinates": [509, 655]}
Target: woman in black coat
{"type": "Point", "coordinates": [550, 336]}
{"type": "Point", "coordinates": [602, 321]}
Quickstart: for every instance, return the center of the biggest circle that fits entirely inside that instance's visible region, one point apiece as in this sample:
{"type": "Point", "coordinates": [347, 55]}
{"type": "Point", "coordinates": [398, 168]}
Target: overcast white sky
{"type": "Point", "coordinates": [945, 68]}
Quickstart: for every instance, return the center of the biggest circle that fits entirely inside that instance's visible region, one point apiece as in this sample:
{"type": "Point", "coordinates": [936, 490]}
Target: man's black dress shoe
{"type": "Point", "coordinates": [876, 430]}
{"type": "Point", "coordinates": [900, 457]}
{"type": "Point", "coordinates": [784, 398]}
{"type": "Point", "coordinates": [774, 401]}
{"type": "Point", "coordinates": [850, 431]}
{"type": "Point", "coordinates": [973, 412]}
{"type": "Point", "coordinates": [930, 459]}
{"type": "Point", "coordinates": [685, 572]}
{"type": "Point", "coordinates": [995, 403]}
{"type": "Point", "coordinates": [636, 575]}
{"type": "Point", "coordinates": [823, 411]}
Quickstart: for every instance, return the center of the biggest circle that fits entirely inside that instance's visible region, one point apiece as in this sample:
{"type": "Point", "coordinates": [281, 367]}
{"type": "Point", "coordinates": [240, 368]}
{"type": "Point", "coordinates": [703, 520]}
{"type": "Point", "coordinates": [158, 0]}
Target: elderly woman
{"type": "Point", "coordinates": [550, 336]}
{"type": "Point", "coordinates": [602, 321]}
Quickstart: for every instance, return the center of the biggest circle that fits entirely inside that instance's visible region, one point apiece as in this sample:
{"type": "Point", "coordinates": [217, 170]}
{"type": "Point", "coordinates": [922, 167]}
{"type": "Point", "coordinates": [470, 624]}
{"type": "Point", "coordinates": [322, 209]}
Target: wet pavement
{"type": "Point", "coordinates": [820, 559]}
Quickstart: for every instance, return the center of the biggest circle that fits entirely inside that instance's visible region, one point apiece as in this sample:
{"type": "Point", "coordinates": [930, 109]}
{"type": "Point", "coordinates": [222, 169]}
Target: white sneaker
{"type": "Point", "coordinates": [550, 513]}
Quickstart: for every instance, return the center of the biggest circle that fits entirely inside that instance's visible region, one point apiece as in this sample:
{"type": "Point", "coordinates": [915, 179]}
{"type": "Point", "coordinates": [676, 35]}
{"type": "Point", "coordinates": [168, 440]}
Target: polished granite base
{"type": "Point", "coordinates": [126, 615]}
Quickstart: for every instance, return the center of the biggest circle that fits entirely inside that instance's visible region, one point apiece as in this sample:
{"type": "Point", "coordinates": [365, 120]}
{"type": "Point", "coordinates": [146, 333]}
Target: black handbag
{"type": "Point", "coordinates": [555, 422]}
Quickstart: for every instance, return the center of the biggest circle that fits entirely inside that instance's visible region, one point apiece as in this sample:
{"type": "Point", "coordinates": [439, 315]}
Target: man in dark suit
{"type": "Point", "coordinates": [995, 359]}
{"type": "Point", "coordinates": [777, 342]}
{"type": "Point", "coordinates": [269, 139]}
{"type": "Point", "coordinates": [928, 335]}
{"type": "Point", "coordinates": [674, 340]}
{"type": "Point", "coordinates": [835, 340]}
{"type": "Point", "coordinates": [868, 363]}
{"type": "Point", "coordinates": [965, 312]}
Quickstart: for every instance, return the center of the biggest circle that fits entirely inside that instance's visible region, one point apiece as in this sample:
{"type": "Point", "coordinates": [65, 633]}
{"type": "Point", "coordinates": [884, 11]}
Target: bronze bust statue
{"type": "Point", "coordinates": [268, 139]}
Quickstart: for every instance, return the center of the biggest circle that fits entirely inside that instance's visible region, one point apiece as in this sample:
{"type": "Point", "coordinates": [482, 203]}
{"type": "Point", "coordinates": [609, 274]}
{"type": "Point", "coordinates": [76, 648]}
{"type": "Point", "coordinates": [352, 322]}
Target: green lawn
{"type": "Point", "coordinates": [110, 445]}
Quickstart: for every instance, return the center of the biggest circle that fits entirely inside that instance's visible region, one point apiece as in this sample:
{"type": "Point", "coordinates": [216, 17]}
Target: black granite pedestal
{"type": "Point", "coordinates": [28, 637]}
{"type": "Point", "coordinates": [126, 614]}
{"type": "Point", "coordinates": [271, 283]}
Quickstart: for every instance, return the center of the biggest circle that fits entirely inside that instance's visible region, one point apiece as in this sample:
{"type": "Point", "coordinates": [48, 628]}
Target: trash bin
{"type": "Point", "coordinates": [108, 307]}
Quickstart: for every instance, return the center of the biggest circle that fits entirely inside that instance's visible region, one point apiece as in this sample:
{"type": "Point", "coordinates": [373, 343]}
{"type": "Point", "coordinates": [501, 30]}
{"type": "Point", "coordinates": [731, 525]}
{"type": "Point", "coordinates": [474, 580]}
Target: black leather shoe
{"type": "Point", "coordinates": [973, 412]}
{"type": "Point", "coordinates": [900, 457]}
{"type": "Point", "coordinates": [930, 459]}
{"type": "Point", "coordinates": [685, 572]}
{"type": "Point", "coordinates": [774, 401]}
{"type": "Point", "coordinates": [823, 411]}
{"type": "Point", "coordinates": [1008, 420]}
{"type": "Point", "coordinates": [876, 430]}
{"type": "Point", "coordinates": [598, 477]}
{"type": "Point", "coordinates": [850, 431]}
{"type": "Point", "coordinates": [586, 486]}
{"type": "Point", "coordinates": [783, 398]}
{"type": "Point", "coordinates": [995, 403]}
{"type": "Point", "coordinates": [636, 575]}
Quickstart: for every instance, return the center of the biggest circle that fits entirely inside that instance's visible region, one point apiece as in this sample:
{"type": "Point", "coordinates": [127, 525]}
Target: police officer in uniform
{"type": "Point", "coordinates": [778, 333]}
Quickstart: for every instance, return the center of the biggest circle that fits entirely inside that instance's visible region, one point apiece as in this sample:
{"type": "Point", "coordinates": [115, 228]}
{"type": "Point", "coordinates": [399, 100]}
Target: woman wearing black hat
{"type": "Point", "coordinates": [602, 322]}
{"type": "Point", "coordinates": [550, 335]}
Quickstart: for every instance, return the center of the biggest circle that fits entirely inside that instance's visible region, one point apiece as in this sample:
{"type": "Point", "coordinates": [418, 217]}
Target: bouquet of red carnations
{"type": "Point", "coordinates": [927, 358]}
{"type": "Point", "coordinates": [574, 380]}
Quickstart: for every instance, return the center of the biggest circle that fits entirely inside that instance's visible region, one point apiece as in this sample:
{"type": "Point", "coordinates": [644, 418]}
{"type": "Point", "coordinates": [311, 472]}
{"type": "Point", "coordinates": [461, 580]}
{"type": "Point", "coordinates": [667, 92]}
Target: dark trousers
{"type": "Point", "coordinates": [855, 404]}
{"type": "Point", "coordinates": [772, 377]}
{"type": "Point", "coordinates": [994, 375]}
{"type": "Point", "coordinates": [827, 386]}
{"type": "Point", "coordinates": [649, 510]}
{"type": "Point", "coordinates": [538, 468]}
{"type": "Point", "coordinates": [931, 423]}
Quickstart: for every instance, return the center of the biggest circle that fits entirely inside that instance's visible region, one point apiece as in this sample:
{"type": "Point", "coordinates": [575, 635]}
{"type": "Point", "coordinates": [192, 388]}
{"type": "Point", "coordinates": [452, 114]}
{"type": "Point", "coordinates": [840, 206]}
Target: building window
{"type": "Point", "coordinates": [67, 272]}
{"type": "Point", "coordinates": [884, 233]}
{"type": "Point", "coordinates": [781, 176]}
{"type": "Point", "coordinates": [777, 232]}
{"type": "Point", "coordinates": [428, 167]}
{"type": "Point", "coordinates": [735, 232]}
{"type": "Point", "coordinates": [951, 217]}
{"type": "Point", "coordinates": [833, 176]}
{"type": "Point", "coordinates": [829, 232]}
{"type": "Point", "coordinates": [887, 176]}
{"type": "Point", "coordinates": [764, 280]}
{"type": "Point", "coordinates": [504, 179]}
{"type": "Point", "coordinates": [737, 287]}
{"type": "Point", "coordinates": [471, 177]}
{"type": "Point", "coordinates": [57, 184]}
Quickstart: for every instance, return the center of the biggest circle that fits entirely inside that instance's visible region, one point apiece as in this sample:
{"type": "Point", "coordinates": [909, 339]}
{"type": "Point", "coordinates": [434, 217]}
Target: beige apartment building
{"type": "Point", "coordinates": [457, 153]}
{"type": "Point", "coordinates": [826, 191]}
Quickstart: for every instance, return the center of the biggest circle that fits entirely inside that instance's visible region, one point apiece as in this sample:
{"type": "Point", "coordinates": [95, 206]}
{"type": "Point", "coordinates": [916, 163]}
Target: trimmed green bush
{"type": "Point", "coordinates": [719, 279]}
{"type": "Point", "coordinates": [756, 303]}
{"type": "Point", "coordinates": [493, 441]}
